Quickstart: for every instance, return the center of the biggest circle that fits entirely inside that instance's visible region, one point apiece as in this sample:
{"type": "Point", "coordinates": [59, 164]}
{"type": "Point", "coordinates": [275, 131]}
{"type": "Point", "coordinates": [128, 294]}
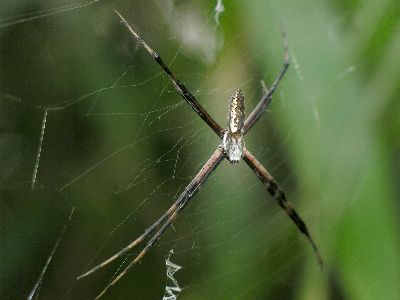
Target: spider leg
{"type": "Point", "coordinates": [147, 247]}
{"type": "Point", "coordinates": [167, 217]}
{"type": "Point", "coordinates": [277, 193]}
{"type": "Point", "coordinates": [179, 86]}
{"type": "Point", "coordinates": [267, 98]}
{"type": "Point", "coordinates": [137, 241]}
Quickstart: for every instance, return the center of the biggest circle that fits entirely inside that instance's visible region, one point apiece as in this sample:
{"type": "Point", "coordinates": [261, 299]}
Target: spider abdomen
{"type": "Point", "coordinates": [236, 114]}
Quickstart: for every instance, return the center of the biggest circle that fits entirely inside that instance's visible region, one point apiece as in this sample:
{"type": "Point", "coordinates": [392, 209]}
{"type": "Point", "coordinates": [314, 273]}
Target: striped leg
{"type": "Point", "coordinates": [166, 219]}
{"type": "Point", "coordinates": [179, 86]}
{"type": "Point", "coordinates": [147, 247]}
{"type": "Point", "coordinates": [262, 105]}
{"type": "Point", "coordinates": [277, 193]}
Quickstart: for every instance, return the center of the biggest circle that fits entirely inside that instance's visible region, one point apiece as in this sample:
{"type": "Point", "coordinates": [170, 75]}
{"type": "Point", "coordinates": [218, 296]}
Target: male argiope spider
{"type": "Point", "coordinates": [232, 148]}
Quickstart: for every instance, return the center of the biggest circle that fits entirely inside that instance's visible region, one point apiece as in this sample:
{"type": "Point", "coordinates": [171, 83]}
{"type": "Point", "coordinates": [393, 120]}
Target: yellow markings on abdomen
{"type": "Point", "coordinates": [236, 114]}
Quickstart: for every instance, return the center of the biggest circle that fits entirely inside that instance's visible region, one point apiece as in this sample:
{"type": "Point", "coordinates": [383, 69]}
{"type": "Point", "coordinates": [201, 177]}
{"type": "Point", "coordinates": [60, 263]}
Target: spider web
{"type": "Point", "coordinates": [89, 121]}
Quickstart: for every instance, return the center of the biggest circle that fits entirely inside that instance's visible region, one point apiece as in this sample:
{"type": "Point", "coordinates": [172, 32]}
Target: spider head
{"type": "Point", "coordinates": [233, 144]}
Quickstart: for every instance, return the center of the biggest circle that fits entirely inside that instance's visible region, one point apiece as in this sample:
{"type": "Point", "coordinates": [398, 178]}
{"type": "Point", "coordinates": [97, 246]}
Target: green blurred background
{"type": "Point", "coordinates": [120, 145]}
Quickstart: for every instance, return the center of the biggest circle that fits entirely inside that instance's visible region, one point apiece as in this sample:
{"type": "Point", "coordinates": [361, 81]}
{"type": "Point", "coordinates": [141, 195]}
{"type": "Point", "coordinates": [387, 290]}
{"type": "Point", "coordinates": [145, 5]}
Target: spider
{"type": "Point", "coordinates": [232, 148]}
